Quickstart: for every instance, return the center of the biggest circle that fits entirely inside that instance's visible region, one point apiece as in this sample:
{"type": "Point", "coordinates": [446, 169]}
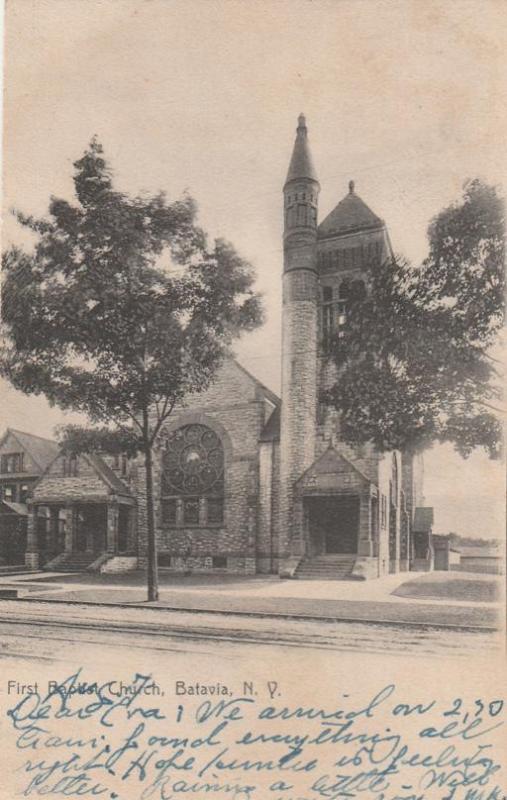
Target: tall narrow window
{"type": "Point", "coordinates": [394, 481]}
{"type": "Point", "coordinates": [70, 466]}
{"type": "Point", "coordinates": [327, 315]}
{"type": "Point", "coordinates": [12, 462]}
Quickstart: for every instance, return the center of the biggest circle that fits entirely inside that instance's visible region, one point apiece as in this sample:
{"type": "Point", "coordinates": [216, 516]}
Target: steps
{"type": "Point", "coordinates": [333, 567]}
{"type": "Point", "coordinates": [74, 562]}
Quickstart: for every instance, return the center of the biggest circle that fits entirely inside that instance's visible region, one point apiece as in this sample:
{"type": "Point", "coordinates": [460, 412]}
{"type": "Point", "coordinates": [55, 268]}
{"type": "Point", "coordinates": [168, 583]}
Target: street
{"type": "Point", "coordinates": [46, 631]}
{"type": "Point", "coordinates": [196, 663]}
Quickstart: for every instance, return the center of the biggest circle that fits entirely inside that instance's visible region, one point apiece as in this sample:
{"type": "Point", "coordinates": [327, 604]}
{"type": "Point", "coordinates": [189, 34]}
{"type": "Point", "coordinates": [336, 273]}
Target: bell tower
{"type": "Point", "coordinates": [299, 335]}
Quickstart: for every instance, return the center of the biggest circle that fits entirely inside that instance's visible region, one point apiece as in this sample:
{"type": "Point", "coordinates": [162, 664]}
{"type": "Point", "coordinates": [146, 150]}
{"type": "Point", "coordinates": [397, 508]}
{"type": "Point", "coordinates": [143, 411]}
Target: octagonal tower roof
{"type": "Point", "coordinates": [351, 214]}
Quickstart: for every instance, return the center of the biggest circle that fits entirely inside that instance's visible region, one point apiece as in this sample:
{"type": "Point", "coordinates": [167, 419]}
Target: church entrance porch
{"type": "Point", "coordinates": [335, 520]}
{"type": "Point", "coordinates": [333, 524]}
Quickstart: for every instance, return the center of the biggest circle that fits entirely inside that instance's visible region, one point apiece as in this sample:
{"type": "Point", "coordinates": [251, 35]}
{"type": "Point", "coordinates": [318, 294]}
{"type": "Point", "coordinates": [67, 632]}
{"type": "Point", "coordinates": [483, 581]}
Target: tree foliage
{"type": "Point", "coordinates": [121, 310]}
{"type": "Point", "coordinates": [413, 357]}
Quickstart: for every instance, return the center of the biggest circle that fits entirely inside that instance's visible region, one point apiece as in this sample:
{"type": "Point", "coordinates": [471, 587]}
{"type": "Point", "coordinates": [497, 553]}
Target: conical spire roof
{"type": "Point", "coordinates": [301, 163]}
{"type": "Point", "coordinates": [351, 214]}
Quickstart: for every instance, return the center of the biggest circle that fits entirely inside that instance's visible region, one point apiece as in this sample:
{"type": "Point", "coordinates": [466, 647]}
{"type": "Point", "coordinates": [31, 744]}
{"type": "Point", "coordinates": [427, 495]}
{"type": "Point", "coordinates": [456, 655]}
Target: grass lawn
{"type": "Point", "coordinates": [452, 586]}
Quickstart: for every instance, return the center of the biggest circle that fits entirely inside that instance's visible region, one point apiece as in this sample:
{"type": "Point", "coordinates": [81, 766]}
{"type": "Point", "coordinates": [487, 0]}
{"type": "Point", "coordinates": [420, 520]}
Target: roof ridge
{"type": "Point", "coordinates": [257, 381]}
{"type": "Point", "coordinates": [107, 474]}
{"type": "Point", "coordinates": [34, 435]}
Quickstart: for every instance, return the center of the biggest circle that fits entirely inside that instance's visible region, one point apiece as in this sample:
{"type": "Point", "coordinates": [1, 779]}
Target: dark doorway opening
{"type": "Point", "coordinates": [123, 528]}
{"type": "Point", "coordinates": [334, 523]}
{"type": "Point", "coordinates": [91, 528]}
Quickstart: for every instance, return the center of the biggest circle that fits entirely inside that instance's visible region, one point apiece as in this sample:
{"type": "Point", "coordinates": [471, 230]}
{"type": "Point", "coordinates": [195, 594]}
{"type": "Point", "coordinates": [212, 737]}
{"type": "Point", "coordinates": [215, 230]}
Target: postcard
{"type": "Point", "coordinates": [252, 487]}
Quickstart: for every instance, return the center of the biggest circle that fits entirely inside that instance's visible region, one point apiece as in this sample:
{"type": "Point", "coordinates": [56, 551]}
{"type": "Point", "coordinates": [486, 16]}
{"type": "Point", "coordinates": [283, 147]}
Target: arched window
{"type": "Point", "coordinates": [193, 477]}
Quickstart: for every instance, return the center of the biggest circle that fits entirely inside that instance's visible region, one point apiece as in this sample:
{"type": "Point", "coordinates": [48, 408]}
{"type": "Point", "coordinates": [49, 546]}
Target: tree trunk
{"type": "Point", "coordinates": [152, 571]}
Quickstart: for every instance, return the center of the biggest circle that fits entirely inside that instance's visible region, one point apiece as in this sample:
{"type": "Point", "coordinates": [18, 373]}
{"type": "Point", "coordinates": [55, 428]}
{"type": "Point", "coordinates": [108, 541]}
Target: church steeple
{"type": "Point", "coordinates": [301, 164]}
{"type": "Point", "coordinates": [301, 193]}
{"type": "Point", "coordinates": [299, 332]}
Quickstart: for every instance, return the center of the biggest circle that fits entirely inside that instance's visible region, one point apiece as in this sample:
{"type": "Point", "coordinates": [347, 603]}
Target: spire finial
{"type": "Point", "coordinates": [301, 165]}
{"type": "Point", "coordinates": [351, 187]}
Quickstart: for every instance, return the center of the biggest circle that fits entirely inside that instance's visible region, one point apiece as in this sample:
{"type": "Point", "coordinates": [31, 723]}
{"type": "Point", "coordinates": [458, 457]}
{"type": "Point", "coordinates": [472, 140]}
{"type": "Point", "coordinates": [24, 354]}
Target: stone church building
{"type": "Point", "coordinates": [246, 482]}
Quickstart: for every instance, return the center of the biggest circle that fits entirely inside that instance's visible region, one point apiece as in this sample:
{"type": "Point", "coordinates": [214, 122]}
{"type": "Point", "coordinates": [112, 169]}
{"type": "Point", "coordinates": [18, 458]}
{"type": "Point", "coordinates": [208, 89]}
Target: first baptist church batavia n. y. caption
{"type": "Point", "coordinates": [243, 482]}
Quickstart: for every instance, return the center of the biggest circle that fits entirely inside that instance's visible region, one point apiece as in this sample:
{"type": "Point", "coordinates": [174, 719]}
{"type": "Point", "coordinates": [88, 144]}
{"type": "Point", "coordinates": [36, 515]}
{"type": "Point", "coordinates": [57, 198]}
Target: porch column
{"type": "Point", "coordinates": [53, 529]}
{"type": "Point", "coordinates": [132, 529]}
{"type": "Point", "coordinates": [32, 557]}
{"type": "Point", "coordinates": [404, 542]}
{"type": "Point", "coordinates": [365, 540]}
{"type": "Point", "coordinates": [90, 534]}
{"type": "Point", "coordinates": [70, 527]}
{"type": "Point", "coordinates": [112, 525]}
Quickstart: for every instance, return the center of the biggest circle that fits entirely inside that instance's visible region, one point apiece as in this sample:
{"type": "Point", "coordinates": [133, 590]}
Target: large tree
{"type": "Point", "coordinates": [121, 310]}
{"type": "Point", "coordinates": [414, 357]}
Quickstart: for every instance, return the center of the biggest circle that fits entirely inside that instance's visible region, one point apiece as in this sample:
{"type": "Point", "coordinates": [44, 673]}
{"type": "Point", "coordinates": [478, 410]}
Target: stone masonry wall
{"type": "Point", "coordinates": [299, 392]}
{"type": "Point", "coordinates": [234, 408]}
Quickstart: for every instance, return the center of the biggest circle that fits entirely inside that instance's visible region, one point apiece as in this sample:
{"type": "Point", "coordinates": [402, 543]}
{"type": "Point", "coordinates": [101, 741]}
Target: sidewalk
{"type": "Point", "coordinates": [370, 601]}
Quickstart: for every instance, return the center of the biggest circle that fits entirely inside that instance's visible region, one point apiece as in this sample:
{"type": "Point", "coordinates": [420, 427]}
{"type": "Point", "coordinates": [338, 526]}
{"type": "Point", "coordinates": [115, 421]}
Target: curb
{"type": "Point", "coordinates": [270, 615]}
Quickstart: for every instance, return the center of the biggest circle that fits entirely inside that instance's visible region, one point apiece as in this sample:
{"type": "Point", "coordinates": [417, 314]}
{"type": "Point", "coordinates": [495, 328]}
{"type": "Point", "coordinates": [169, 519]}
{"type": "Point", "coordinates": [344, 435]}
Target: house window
{"type": "Point", "coordinates": [120, 463]}
{"type": "Point", "coordinates": [12, 462]}
{"type": "Point", "coordinates": [9, 493]}
{"type": "Point", "coordinates": [219, 562]}
{"type": "Point", "coordinates": [24, 491]}
{"type": "Point", "coordinates": [193, 472]}
{"type": "Point", "coordinates": [70, 466]}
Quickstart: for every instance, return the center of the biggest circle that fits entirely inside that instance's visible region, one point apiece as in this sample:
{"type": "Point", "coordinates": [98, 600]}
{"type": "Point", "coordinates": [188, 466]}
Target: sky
{"type": "Point", "coordinates": [403, 97]}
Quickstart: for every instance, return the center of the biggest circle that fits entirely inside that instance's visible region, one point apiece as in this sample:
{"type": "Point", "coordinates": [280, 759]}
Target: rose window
{"type": "Point", "coordinates": [194, 462]}
{"type": "Point", "coordinates": [193, 467]}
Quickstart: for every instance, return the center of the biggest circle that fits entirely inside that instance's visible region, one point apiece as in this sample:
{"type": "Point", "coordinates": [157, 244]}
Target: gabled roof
{"type": "Point", "coordinates": [423, 519]}
{"type": "Point", "coordinates": [271, 396]}
{"type": "Point", "coordinates": [350, 215]}
{"type": "Point", "coordinates": [107, 474]}
{"type": "Point", "coordinates": [42, 451]}
{"type": "Point", "coordinates": [301, 163]}
{"type": "Point", "coordinates": [16, 508]}
{"type": "Point", "coordinates": [332, 462]}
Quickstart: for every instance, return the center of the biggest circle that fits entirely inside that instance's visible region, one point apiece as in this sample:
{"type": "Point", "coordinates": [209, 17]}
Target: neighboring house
{"type": "Point", "coordinates": [481, 559]}
{"type": "Point", "coordinates": [23, 458]}
{"type": "Point", "coordinates": [81, 512]}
